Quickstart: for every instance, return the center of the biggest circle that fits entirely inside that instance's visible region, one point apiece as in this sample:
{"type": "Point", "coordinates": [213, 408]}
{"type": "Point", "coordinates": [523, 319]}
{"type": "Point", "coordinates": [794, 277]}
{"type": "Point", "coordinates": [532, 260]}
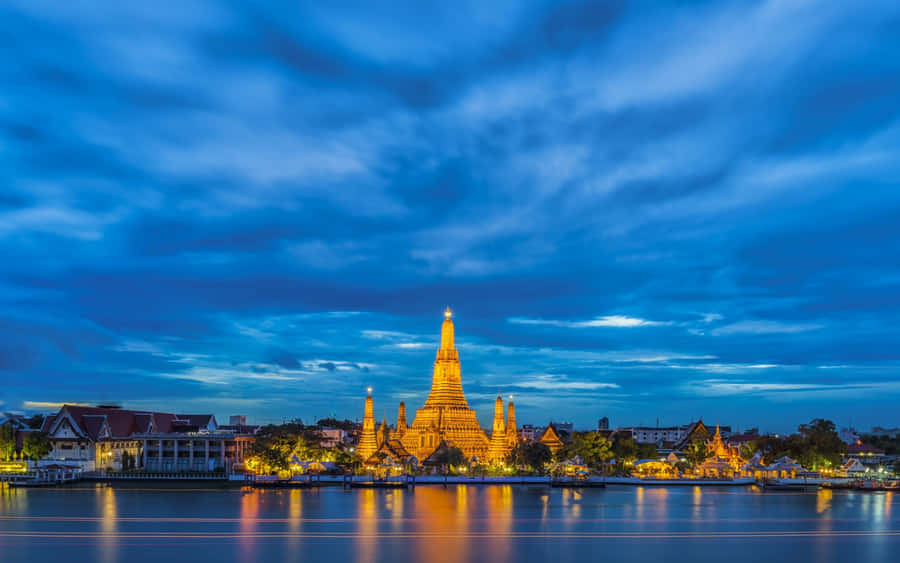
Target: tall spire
{"type": "Point", "coordinates": [446, 382]}
{"type": "Point", "coordinates": [384, 433]}
{"type": "Point", "coordinates": [446, 415]}
{"type": "Point", "coordinates": [367, 441]}
{"type": "Point", "coordinates": [447, 331]}
{"type": "Point", "coordinates": [401, 421]}
{"type": "Point", "coordinates": [498, 446]}
{"type": "Point", "coordinates": [512, 432]}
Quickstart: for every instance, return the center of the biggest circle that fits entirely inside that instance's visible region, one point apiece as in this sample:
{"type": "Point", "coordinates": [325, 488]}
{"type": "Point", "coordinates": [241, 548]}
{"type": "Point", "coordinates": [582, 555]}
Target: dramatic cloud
{"type": "Point", "coordinates": [617, 321]}
{"type": "Point", "coordinates": [642, 211]}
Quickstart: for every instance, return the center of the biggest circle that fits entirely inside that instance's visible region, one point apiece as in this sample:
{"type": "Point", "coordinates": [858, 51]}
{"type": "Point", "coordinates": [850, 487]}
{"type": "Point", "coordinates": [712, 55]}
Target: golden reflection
{"type": "Point", "coordinates": [249, 514]}
{"type": "Point", "coordinates": [823, 500]}
{"type": "Point", "coordinates": [888, 499]}
{"type": "Point", "coordinates": [440, 517]}
{"type": "Point", "coordinates": [698, 501]}
{"type": "Point", "coordinates": [366, 532]}
{"type": "Point", "coordinates": [395, 501]}
{"type": "Point", "coordinates": [500, 518]}
{"type": "Point", "coordinates": [295, 520]}
{"type": "Point", "coordinates": [108, 523]}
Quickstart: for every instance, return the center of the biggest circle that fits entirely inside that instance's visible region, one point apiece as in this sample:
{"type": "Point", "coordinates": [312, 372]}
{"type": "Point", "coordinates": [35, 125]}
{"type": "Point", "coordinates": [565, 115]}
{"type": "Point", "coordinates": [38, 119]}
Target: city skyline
{"type": "Point", "coordinates": [641, 215]}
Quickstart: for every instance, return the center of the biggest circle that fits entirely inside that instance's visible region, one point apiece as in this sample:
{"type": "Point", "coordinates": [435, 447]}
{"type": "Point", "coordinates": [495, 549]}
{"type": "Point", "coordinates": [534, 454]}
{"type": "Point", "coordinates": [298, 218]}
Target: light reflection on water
{"type": "Point", "coordinates": [434, 524]}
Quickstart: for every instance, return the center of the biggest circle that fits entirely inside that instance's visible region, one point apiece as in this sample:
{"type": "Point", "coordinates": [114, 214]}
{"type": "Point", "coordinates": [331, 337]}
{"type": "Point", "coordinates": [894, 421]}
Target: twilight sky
{"type": "Point", "coordinates": [683, 212]}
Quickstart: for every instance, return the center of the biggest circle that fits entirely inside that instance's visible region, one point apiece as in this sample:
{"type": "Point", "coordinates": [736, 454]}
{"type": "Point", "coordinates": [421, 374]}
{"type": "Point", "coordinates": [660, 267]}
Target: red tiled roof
{"type": "Point", "coordinates": [122, 423]}
{"type": "Point", "coordinates": [742, 438]}
{"type": "Point", "coordinates": [200, 420]}
{"type": "Point", "coordinates": [863, 449]}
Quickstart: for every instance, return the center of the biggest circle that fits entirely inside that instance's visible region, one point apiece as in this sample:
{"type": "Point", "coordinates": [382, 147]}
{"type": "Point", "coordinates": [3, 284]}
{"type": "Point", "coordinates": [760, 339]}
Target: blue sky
{"type": "Point", "coordinates": [645, 212]}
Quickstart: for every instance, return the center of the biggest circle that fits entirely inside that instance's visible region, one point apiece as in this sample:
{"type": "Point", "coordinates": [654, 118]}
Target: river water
{"type": "Point", "coordinates": [165, 523]}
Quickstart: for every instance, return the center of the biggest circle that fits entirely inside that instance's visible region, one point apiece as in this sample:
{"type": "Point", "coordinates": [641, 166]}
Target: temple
{"type": "Point", "coordinates": [499, 445]}
{"type": "Point", "coordinates": [368, 443]}
{"type": "Point", "coordinates": [445, 418]}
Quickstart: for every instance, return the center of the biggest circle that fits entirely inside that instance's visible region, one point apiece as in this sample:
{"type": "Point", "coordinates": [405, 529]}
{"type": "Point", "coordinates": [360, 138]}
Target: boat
{"type": "Point", "coordinates": [779, 485]}
{"type": "Point", "coordinates": [577, 483]}
{"type": "Point", "coordinates": [876, 486]}
{"type": "Point", "coordinates": [378, 484]}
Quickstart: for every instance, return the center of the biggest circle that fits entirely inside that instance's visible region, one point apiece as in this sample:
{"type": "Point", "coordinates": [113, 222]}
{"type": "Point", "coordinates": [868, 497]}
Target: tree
{"type": "Point", "coordinates": [449, 456]}
{"type": "Point", "coordinates": [7, 441]}
{"type": "Point", "coordinates": [35, 421]}
{"type": "Point", "coordinates": [345, 425]}
{"type": "Point", "coordinates": [537, 455]}
{"type": "Point", "coordinates": [696, 453]}
{"type": "Point", "coordinates": [36, 445]}
{"type": "Point", "coordinates": [820, 445]}
{"type": "Point", "coordinates": [592, 447]}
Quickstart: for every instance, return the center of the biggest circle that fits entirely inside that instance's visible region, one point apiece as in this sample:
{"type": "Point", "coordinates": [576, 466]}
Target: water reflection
{"type": "Point", "coordinates": [440, 518]}
{"type": "Point", "coordinates": [248, 522]}
{"type": "Point", "coordinates": [435, 524]}
{"type": "Point", "coordinates": [500, 521]}
{"type": "Point", "coordinates": [823, 500]}
{"type": "Point", "coordinates": [367, 526]}
{"type": "Point", "coordinates": [106, 500]}
{"type": "Point", "coordinates": [295, 522]}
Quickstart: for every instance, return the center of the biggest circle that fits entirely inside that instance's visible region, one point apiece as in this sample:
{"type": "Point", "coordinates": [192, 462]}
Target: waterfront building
{"type": "Point", "coordinates": [864, 452]}
{"type": "Point", "coordinates": [104, 437]}
{"type": "Point", "coordinates": [446, 416]}
{"type": "Point", "coordinates": [551, 439]}
{"type": "Point", "coordinates": [655, 468]}
{"type": "Point", "coordinates": [852, 468]}
{"type": "Point", "coordinates": [200, 450]}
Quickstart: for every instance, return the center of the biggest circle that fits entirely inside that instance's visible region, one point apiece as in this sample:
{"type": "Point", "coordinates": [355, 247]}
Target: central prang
{"type": "Point", "coordinates": [446, 419]}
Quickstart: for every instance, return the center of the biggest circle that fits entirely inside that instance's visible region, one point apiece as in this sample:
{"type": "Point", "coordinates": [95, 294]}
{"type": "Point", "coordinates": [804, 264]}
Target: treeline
{"type": "Point", "coordinates": [275, 445]}
{"type": "Point", "coordinates": [815, 446]}
{"type": "Point", "coordinates": [891, 446]}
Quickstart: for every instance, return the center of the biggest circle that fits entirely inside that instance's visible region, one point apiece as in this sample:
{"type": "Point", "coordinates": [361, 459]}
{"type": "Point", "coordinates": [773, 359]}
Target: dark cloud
{"type": "Point", "coordinates": [693, 206]}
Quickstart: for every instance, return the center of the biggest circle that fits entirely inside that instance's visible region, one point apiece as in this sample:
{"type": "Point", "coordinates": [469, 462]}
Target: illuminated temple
{"type": "Point", "coordinates": [445, 419]}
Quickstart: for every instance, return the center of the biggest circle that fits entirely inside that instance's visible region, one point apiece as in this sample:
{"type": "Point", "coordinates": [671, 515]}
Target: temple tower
{"type": "Point", "coordinates": [367, 441]}
{"type": "Point", "coordinates": [498, 447]}
{"type": "Point", "coordinates": [401, 421]}
{"type": "Point", "coordinates": [446, 415]}
{"type": "Point", "coordinates": [512, 431]}
{"type": "Point", "coordinates": [384, 433]}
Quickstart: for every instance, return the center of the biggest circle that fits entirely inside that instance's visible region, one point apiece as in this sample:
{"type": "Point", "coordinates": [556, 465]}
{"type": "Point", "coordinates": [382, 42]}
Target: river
{"type": "Point", "coordinates": [166, 523]}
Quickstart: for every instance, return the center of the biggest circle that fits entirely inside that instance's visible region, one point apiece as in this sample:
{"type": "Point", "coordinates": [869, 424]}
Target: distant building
{"type": "Point", "coordinates": [332, 437]}
{"type": "Point", "coordinates": [563, 427]}
{"type": "Point", "coordinates": [603, 424]}
{"type": "Point", "coordinates": [863, 452]}
{"type": "Point", "coordinates": [527, 432]}
{"type": "Point", "coordinates": [889, 432]}
{"type": "Point", "coordinates": [675, 436]}
{"type": "Point", "coordinates": [237, 420]}
{"type": "Point", "coordinates": [849, 435]}
{"type": "Point", "coordinates": [655, 435]}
